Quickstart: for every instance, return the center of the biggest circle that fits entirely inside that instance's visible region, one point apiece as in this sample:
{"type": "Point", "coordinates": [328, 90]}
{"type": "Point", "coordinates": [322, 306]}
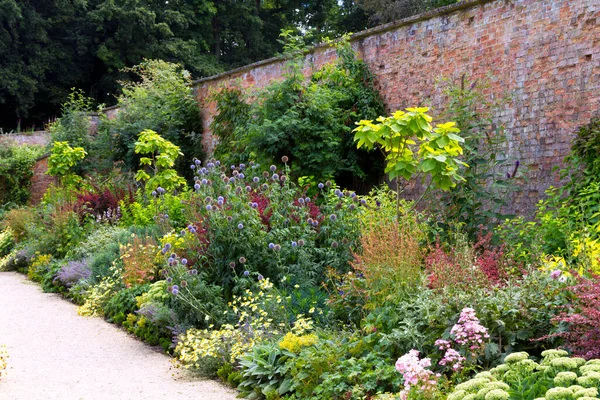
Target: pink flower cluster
{"type": "Point", "coordinates": [415, 372]}
{"type": "Point", "coordinates": [468, 331]}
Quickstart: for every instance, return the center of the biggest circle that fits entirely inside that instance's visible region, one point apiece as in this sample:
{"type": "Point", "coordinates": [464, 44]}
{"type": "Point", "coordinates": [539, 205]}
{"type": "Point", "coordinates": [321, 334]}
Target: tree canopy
{"type": "Point", "coordinates": [48, 47]}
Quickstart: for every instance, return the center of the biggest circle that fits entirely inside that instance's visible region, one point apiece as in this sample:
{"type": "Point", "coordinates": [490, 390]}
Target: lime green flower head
{"type": "Point", "coordinates": [575, 388]}
{"type": "Point", "coordinates": [484, 374]}
{"type": "Point", "coordinates": [473, 385]}
{"type": "Point", "coordinates": [499, 370]}
{"type": "Point", "coordinates": [516, 357]}
{"type": "Point", "coordinates": [554, 353]}
{"type": "Point", "coordinates": [559, 393]}
{"type": "Point", "coordinates": [589, 367]}
{"type": "Point", "coordinates": [595, 361]}
{"type": "Point", "coordinates": [564, 363]}
{"type": "Point", "coordinates": [590, 392]}
{"type": "Point", "coordinates": [497, 394]}
{"type": "Point", "coordinates": [457, 395]}
{"type": "Point", "coordinates": [565, 379]}
{"type": "Point", "coordinates": [471, 397]}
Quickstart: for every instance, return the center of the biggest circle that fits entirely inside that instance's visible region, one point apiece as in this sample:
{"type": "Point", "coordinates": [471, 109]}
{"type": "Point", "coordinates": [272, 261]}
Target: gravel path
{"type": "Point", "coordinates": [56, 354]}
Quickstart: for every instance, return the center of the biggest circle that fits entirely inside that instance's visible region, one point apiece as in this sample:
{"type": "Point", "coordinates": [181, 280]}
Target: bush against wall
{"type": "Point", "coordinates": [16, 163]}
{"type": "Point", "coordinates": [161, 100]}
{"type": "Point", "coordinates": [310, 121]}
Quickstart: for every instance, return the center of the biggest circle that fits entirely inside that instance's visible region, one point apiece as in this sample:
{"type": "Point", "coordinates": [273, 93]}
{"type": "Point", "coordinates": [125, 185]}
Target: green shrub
{"type": "Point", "coordinates": [123, 303]}
{"type": "Point", "coordinates": [161, 100]}
{"type": "Point", "coordinates": [16, 170]}
{"type": "Point", "coordinates": [310, 122]}
{"type": "Point", "coordinates": [7, 241]}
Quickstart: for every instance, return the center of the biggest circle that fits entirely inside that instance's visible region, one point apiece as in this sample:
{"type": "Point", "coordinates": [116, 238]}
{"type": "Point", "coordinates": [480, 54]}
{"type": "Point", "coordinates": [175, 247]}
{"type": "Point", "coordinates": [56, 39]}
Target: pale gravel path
{"type": "Point", "coordinates": [56, 354]}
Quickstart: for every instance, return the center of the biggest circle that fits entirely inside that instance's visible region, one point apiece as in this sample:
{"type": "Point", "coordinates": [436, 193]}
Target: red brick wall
{"type": "Point", "coordinates": [545, 54]}
{"type": "Point", "coordinates": [40, 181]}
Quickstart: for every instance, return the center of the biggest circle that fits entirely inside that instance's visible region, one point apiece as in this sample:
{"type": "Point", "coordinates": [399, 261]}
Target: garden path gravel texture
{"type": "Point", "coordinates": [56, 354]}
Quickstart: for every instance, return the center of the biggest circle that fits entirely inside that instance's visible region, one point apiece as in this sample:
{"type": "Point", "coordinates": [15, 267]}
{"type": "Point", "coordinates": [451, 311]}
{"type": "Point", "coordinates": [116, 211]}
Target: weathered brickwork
{"type": "Point", "coordinates": [543, 54]}
{"type": "Point", "coordinates": [40, 181]}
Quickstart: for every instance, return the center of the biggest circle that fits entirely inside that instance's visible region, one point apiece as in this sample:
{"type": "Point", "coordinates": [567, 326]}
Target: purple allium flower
{"type": "Point", "coordinates": [248, 188]}
{"type": "Point", "coordinates": [217, 163]}
{"type": "Point", "coordinates": [210, 165]}
{"type": "Point", "coordinates": [246, 273]}
{"type": "Point", "coordinates": [301, 200]}
{"type": "Point", "coordinates": [173, 255]}
{"type": "Point", "coordinates": [340, 194]}
{"type": "Point", "coordinates": [193, 230]}
{"type": "Point", "coordinates": [164, 251]}
{"type": "Point", "coordinates": [275, 177]}
{"type": "Point", "coordinates": [255, 205]}
{"type": "Point", "coordinates": [208, 207]}
{"type": "Point", "coordinates": [175, 291]}
{"type": "Point", "coordinates": [169, 280]}
{"type": "Point", "coordinates": [226, 180]}
{"type": "Point", "coordinates": [204, 182]}
{"type": "Point", "coordinates": [242, 260]}
{"type": "Point", "coordinates": [320, 186]}
{"type": "Point", "coordinates": [204, 170]}
{"type": "Point", "coordinates": [310, 221]}
{"type": "Point", "coordinates": [194, 272]}
{"type": "Point", "coordinates": [265, 186]}
{"type": "Point", "coordinates": [277, 247]}
{"type": "Point", "coordinates": [301, 242]}
{"type": "Point", "coordinates": [170, 260]}
{"type": "Point", "coordinates": [240, 226]}
{"type": "Point", "coordinates": [256, 179]}
{"type": "Point", "coordinates": [364, 202]}
{"type": "Point", "coordinates": [260, 277]}
{"type": "Point", "coordinates": [242, 176]}
{"type": "Point", "coordinates": [294, 244]}
{"type": "Point", "coordinates": [352, 194]}
{"type": "Point", "coordinates": [377, 202]}
{"type": "Point", "coordinates": [271, 246]}
{"type": "Point", "coordinates": [166, 216]}
{"type": "Point", "coordinates": [219, 202]}
{"type": "Point", "coordinates": [273, 168]}
{"type": "Point", "coordinates": [315, 223]}
{"type": "Point", "coordinates": [154, 193]}
{"type": "Point", "coordinates": [168, 246]}
{"type": "Point", "coordinates": [341, 292]}
{"type": "Point", "coordinates": [333, 217]}
{"type": "Point", "coordinates": [352, 207]}
{"type": "Point", "coordinates": [231, 180]}
{"type": "Point", "coordinates": [184, 261]}
{"type": "Point", "coordinates": [197, 186]}
{"type": "Point", "coordinates": [196, 178]}
{"type": "Point", "coordinates": [160, 190]}
{"type": "Point", "coordinates": [229, 218]}
{"type": "Point", "coordinates": [242, 166]}
{"type": "Point", "coordinates": [197, 162]}
{"type": "Point", "coordinates": [233, 167]}
{"type": "Point", "coordinates": [193, 166]}
{"type": "Point", "coordinates": [307, 199]}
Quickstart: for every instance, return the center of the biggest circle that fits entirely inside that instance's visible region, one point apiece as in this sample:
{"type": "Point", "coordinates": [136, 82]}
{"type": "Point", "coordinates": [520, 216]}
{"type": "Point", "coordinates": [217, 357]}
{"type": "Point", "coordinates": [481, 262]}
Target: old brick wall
{"type": "Point", "coordinates": [40, 181]}
{"type": "Point", "coordinates": [543, 54]}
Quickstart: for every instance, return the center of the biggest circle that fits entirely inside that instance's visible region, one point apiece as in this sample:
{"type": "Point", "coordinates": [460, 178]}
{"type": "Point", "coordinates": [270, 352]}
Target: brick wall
{"type": "Point", "coordinates": [40, 181]}
{"type": "Point", "coordinates": [544, 54]}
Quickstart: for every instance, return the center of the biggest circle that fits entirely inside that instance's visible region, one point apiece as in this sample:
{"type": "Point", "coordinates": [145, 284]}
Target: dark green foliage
{"type": "Point", "coordinates": [162, 101]}
{"type": "Point", "coordinates": [384, 11]}
{"type": "Point", "coordinates": [309, 122]}
{"type": "Point", "coordinates": [16, 170]}
{"type": "Point", "coordinates": [123, 303]}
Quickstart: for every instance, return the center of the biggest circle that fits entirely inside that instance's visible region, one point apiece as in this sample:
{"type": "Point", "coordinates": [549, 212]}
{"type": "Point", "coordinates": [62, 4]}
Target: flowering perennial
{"type": "Point", "coordinates": [415, 373]}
